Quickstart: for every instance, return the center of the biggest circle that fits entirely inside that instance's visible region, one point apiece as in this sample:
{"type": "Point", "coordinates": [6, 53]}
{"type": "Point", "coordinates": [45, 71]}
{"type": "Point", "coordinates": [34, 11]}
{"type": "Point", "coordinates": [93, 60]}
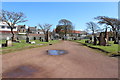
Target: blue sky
{"type": "Point", "coordinates": [51, 12]}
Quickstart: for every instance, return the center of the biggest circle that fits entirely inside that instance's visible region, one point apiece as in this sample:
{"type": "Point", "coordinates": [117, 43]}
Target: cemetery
{"type": "Point", "coordinates": [76, 42]}
{"type": "Point", "coordinates": [111, 49]}
{"type": "Point", "coordinates": [9, 46]}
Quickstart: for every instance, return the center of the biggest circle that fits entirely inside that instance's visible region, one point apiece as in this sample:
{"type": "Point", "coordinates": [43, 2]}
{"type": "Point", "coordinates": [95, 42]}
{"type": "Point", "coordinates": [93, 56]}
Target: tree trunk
{"type": "Point", "coordinates": [13, 35]}
{"type": "Point", "coordinates": [106, 36]}
{"type": "Point", "coordinates": [93, 36]}
{"type": "Point", "coordinates": [115, 38]}
{"type": "Point", "coordinates": [46, 37]}
{"type": "Point", "coordinates": [65, 33]}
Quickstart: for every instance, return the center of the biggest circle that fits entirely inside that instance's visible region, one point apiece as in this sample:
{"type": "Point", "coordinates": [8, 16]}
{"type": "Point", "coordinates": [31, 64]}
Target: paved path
{"type": "Point", "coordinates": [80, 62]}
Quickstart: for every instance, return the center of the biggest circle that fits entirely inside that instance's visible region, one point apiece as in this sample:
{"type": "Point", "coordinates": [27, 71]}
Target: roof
{"type": "Point", "coordinates": [74, 31]}
{"type": "Point", "coordinates": [21, 26]}
{"type": "Point", "coordinates": [32, 28]}
{"type": "Point", "coordinates": [40, 30]}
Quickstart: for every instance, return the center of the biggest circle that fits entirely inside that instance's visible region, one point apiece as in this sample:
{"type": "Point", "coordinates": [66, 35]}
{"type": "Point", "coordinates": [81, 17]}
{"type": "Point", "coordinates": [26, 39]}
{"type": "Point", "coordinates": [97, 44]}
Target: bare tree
{"type": "Point", "coordinates": [91, 26]}
{"type": "Point", "coordinates": [66, 26]}
{"type": "Point", "coordinates": [45, 28]}
{"type": "Point", "coordinates": [113, 22]}
{"type": "Point", "coordinates": [11, 19]}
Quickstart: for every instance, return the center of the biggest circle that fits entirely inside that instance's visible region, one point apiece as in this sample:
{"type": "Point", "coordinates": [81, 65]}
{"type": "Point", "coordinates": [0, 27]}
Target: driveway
{"type": "Point", "coordinates": [79, 62]}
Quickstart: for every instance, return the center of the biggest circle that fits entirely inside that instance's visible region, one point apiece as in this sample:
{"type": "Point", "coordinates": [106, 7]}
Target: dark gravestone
{"type": "Point", "coordinates": [102, 39]}
{"type": "Point", "coordinates": [27, 40]}
{"type": "Point", "coordinates": [17, 38]}
{"type": "Point", "coordinates": [90, 38]}
{"type": "Point", "coordinates": [34, 38]}
{"type": "Point", "coordinates": [40, 38]}
{"type": "Point", "coordinates": [95, 40]}
{"type": "Point", "coordinates": [87, 41]}
{"type": "Point", "coordinates": [75, 39]}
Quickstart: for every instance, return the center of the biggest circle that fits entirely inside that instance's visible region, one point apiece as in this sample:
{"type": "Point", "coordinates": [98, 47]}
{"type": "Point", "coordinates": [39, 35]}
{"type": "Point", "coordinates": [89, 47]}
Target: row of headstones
{"type": "Point", "coordinates": [28, 40]}
{"type": "Point", "coordinates": [102, 40]}
{"type": "Point", "coordinates": [8, 43]}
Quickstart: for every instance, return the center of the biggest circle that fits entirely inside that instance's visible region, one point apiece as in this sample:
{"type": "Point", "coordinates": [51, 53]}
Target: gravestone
{"type": "Point", "coordinates": [33, 42]}
{"type": "Point", "coordinates": [7, 38]}
{"type": "Point", "coordinates": [0, 45]}
{"type": "Point", "coordinates": [102, 39]}
{"type": "Point", "coordinates": [34, 38]}
{"type": "Point", "coordinates": [92, 38]}
{"type": "Point", "coordinates": [111, 39]}
{"type": "Point", "coordinates": [95, 40]}
{"type": "Point", "coordinates": [8, 43]}
{"type": "Point", "coordinates": [40, 38]}
{"type": "Point", "coordinates": [27, 40]}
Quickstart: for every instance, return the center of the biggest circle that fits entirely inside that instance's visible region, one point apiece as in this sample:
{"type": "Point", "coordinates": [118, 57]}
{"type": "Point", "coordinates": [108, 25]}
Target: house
{"type": "Point", "coordinates": [5, 29]}
{"type": "Point", "coordinates": [39, 31]}
{"type": "Point", "coordinates": [35, 33]}
{"type": "Point", "coordinates": [73, 35]}
{"type": "Point", "coordinates": [32, 30]}
{"type": "Point", "coordinates": [21, 29]}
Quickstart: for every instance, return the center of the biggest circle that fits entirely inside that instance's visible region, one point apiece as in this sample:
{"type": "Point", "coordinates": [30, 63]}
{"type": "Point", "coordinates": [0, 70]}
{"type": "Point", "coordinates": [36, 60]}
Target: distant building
{"type": "Point", "coordinates": [73, 34]}
{"type": "Point", "coordinates": [5, 29]}
{"type": "Point", "coordinates": [39, 31]}
{"type": "Point", "coordinates": [32, 30]}
{"type": "Point", "coordinates": [21, 29]}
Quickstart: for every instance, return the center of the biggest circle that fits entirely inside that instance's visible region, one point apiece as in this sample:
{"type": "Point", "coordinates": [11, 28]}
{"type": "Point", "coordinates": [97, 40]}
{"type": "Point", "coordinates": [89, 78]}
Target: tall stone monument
{"type": "Point", "coordinates": [102, 40]}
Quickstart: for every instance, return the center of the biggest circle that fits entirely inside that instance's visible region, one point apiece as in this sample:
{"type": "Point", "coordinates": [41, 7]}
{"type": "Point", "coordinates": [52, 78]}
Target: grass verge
{"type": "Point", "coordinates": [23, 45]}
{"type": "Point", "coordinates": [109, 50]}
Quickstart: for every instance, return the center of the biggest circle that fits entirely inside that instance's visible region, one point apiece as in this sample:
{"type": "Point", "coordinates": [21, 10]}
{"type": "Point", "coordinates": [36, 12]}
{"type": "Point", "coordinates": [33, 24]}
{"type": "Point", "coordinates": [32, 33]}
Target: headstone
{"type": "Point", "coordinates": [95, 40]}
{"type": "Point", "coordinates": [119, 42]}
{"type": "Point", "coordinates": [17, 38]}
{"type": "Point", "coordinates": [27, 40]}
{"type": "Point", "coordinates": [102, 39]}
{"type": "Point", "coordinates": [111, 39]}
{"type": "Point", "coordinates": [33, 42]}
{"type": "Point", "coordinates": [92, 38]}
{"type": "Point", "coordinates": [0, 45]}
{"type": "Point", "coordinates": [42, 40]}
{"type": "Point", "coordinates": [34, 38]}
{"type": "Point", "coordinates": [8, 38]}
{"type": "Point", "coordinates": [8, 43]}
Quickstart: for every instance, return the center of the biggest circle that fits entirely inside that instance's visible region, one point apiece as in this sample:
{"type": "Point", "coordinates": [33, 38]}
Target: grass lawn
{"type": "Point", "coordinates": [23, 45]}
{"type": "Point", "coordinates": [113, 49]}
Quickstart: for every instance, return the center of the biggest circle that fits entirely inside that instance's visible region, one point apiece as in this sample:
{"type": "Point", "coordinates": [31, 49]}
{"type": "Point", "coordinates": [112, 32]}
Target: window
{"type": "Point", "coordinates": [9, 27]}
{"type": "Point", "coordinates": [14, 27]}
{"type": "Point", "coordinates": [3, 27]}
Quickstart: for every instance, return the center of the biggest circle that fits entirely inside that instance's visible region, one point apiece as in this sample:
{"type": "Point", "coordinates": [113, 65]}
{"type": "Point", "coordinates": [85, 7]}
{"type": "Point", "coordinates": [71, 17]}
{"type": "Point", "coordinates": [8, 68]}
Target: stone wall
{"type": "Point", "coordinates": [20, 37]}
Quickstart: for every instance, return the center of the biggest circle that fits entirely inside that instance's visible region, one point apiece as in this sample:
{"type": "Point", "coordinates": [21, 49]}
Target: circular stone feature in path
{"type": "Point", "coordinates": [56, 52]}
